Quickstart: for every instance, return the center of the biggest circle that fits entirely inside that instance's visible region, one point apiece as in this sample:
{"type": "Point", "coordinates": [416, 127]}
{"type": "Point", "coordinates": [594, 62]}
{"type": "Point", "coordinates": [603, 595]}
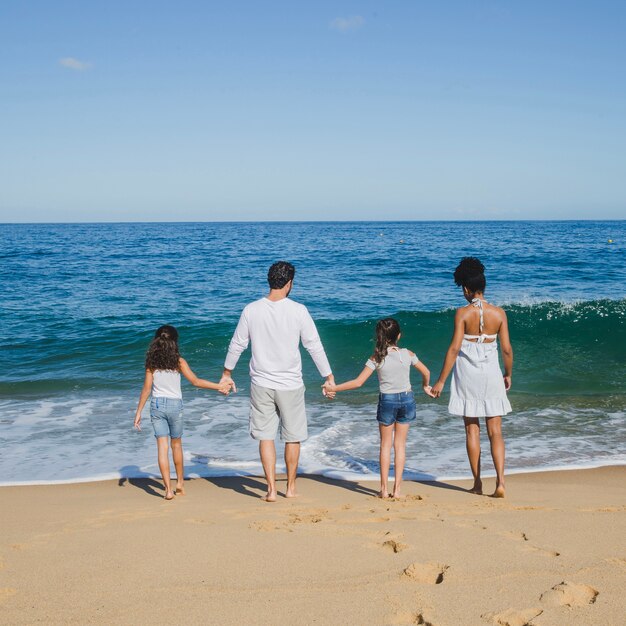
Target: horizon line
{"type": "Point", "coordinates": [372, 221]}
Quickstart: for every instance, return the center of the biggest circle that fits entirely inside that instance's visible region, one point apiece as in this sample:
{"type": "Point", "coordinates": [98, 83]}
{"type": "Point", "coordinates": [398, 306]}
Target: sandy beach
{"type": "Point", "coordinates": [552, 552]}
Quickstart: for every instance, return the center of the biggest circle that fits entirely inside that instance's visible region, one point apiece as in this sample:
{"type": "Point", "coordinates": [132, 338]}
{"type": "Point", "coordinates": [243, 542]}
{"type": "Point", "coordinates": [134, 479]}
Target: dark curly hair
{"type": "Point", "coordinates": [470, 273]}
{"type": "Point", "coordinates": [280, 274]}
{"type": "Point", "coordinates": [163, 351]}
{"type": "Point", "coordinates": [387, 333]}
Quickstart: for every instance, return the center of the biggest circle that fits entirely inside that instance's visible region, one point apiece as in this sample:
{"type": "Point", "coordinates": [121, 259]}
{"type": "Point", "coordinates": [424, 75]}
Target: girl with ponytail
{"type": "Point", "coordinates": [396, 402]}
{"type": "Point", "coordinates": [164, 365]}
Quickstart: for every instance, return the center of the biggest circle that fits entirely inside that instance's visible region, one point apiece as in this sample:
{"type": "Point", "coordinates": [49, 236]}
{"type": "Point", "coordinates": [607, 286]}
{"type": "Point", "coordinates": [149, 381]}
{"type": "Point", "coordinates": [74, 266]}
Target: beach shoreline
{"type": "Point", "coordinates": [114, 551]}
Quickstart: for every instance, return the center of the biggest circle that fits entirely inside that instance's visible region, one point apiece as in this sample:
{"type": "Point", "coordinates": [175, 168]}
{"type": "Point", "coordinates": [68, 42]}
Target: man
{"type": "Point", "coordinates": [276, 325]}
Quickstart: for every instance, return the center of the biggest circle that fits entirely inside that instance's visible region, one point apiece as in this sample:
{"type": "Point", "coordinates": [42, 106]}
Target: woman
{"type": "Point", "coordinates": [478, 388]}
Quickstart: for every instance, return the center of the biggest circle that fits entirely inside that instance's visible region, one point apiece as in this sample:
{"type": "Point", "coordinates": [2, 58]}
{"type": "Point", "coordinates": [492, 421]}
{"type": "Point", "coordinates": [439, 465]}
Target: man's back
{"type": "Point", "coordinates": [275, 328]}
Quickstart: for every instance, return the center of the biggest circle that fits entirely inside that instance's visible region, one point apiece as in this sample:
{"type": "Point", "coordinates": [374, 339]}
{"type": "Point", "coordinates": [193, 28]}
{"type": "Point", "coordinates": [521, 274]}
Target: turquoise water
{"type": "Point", "coordinates": [80, 303]}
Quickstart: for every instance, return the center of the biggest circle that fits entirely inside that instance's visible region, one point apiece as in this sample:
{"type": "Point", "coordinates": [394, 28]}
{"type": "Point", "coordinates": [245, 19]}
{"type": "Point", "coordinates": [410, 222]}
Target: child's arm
{"type": "Point", "coordinates": [425, 372]}
{"type": "Point", "coordinates": [143, 398]}
{"type": "Point", "coordinates": [223, 387]}
{"type": "Point", "coordinates": [453, 351]}
{"type": "Point", "coordinates": [351, 384]}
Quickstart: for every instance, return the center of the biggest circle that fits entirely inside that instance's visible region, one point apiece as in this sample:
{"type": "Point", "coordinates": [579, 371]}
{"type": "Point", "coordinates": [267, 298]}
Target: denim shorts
{"type": "Point", "coordinates": [396, 407]}
{"type": "Point", "coordinates": [166, 415]}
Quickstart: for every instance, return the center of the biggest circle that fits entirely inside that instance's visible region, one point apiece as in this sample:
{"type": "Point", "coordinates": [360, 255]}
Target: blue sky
{"type": "Point", "coordinates": [312, 110]}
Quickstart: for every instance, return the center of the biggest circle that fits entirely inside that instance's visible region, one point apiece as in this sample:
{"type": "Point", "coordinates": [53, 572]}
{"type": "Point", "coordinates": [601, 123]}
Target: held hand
{"type": "Point", "coordinates": [507, 382]}
{"type": "Point", "coordinates": [225, 386]}
{"type": "Point", "coordinates": [328, 389]}
{"type": "Point", "coordinates": [137, 424]}
{"type": "Point", "coordinates": [436, 389]}
{"type": "Point", "coordinates": [231, 383]}
{"type": "Point", "coordinates": [428, 390]}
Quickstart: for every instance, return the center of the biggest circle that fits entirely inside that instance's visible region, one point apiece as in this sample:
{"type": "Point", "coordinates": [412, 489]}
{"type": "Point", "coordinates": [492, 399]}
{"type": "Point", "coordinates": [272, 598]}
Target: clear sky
{"type": "Point", "coordinates": [203, 110]}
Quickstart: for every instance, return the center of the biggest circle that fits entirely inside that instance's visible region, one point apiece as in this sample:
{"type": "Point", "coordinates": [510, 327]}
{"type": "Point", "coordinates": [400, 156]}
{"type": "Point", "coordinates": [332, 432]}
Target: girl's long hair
{"type": "Point", "coordinates": [163, 351]}
{"type": "Point", "coordinates": [387, 333]}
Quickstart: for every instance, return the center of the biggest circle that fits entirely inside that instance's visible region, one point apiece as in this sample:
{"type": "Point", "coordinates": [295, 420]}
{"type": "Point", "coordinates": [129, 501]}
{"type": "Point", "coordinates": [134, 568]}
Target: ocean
{"type": "Point", "coordinates": [80, 303]}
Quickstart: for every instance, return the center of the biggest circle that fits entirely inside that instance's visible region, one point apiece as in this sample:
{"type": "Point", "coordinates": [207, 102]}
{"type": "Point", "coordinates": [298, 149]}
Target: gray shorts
{"type": "Point", "coordinates": [270, 408]}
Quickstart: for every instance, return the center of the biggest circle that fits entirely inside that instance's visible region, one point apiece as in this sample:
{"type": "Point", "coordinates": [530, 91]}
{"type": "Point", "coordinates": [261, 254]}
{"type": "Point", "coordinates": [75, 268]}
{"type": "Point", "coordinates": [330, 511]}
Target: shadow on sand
{"type": "Point", "coordinates": [141, 480]}
{"type": "Point", "coordinates": [255, 487]}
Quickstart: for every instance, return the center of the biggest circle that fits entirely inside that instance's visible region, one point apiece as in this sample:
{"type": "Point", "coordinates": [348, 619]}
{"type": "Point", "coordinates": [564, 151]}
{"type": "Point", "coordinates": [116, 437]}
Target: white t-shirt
{"type": "Point", "coordinates": [276, 329]}
{"type": "Point", "coordinates": [395, 370]}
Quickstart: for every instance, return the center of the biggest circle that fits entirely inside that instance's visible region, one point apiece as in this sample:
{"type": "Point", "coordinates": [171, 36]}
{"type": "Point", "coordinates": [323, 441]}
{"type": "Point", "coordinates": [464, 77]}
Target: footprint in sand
{"type": "Point", "coordinates": [268, 526]}
{"type": "Point", "coordinates": [511, 617]}
{"type": "Point", "coordinates": [429, 573]}
{"type": "Point", "coordinates": [569, 594]}
{"type": "Point", "coordinates": [309, 517]}
{"type": "Point", "coordinates": [394, 546]}
{"type": "Point", "coordinates": [411, 498]}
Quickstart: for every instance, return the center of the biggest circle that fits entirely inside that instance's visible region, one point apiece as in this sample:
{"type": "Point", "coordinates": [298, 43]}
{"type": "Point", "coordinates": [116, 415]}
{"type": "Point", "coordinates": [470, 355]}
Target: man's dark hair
{"type": "Point", "coordinates": [280, 274]}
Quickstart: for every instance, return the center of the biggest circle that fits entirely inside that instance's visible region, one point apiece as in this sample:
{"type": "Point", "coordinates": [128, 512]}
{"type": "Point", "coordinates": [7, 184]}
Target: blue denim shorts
{"type": "Point", "coordinates": [396, 407]}
{"type": "Point", "coordinates": [166, 415]}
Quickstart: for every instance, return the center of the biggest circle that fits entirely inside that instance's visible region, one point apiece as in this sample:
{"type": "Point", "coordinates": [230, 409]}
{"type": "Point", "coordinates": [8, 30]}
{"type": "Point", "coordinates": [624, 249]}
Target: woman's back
{"type": "Point", "coordinates": [482, 318]}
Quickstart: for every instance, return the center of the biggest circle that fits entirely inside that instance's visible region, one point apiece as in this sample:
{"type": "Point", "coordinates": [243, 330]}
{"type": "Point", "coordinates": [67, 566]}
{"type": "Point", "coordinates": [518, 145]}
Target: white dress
{"type": "Point", "coordinates": [477, 386]}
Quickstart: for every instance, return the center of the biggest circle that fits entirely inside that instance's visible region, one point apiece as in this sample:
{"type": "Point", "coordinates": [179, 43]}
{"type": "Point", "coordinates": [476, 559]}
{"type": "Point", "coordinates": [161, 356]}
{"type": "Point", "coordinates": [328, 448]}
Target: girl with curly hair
{"type": "Point", "coordinates": [478, 387]}
{"type": "Point", "coordinates": [396, 402]}
{"type": "Point", "coordinates": [164, 365]}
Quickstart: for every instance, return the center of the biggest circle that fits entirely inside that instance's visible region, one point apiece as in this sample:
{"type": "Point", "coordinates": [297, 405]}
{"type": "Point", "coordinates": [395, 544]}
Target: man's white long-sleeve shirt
{"type": "Point", "coordinates": [275, 329]}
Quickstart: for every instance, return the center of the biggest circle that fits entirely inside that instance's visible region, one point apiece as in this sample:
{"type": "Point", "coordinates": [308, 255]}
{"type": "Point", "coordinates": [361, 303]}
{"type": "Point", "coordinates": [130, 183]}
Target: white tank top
{"type": "Point", "coordinates": [166, 384]}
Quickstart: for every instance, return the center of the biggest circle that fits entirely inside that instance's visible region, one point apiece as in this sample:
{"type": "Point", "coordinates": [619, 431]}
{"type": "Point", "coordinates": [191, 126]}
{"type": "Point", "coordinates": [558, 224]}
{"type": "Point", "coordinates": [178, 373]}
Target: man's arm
{"type": "Point", "coordinates": [239, 342]}
{"type": "Point", "coordinates": [311, 341]}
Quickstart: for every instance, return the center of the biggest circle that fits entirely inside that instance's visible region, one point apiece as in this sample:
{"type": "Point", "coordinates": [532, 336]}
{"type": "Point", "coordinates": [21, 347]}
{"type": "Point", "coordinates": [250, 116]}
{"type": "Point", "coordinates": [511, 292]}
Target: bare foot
{"type": "Point", "coordinates": [169, 495]}
{"type": "Point", "coordinates": [383, 494]}
{"type": "Point", "coordinates": [477, 488]}
{"type": "Point", "coordinates": [270, 496]}
{"type": "Point", "coordinates": [397, 496]}
{"type": "Point", "coordinates": [180, 490]}
{"type": "Point", "coordinates": [499, 492]}
{"type": "Point", "coordinates": [291, 493]}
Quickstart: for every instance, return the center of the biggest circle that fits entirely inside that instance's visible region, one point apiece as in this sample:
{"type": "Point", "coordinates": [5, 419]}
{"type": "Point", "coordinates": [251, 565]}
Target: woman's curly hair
{"type": "Point", "coordinates": [163, 351]}
{"type": "Point", "coordinates": [470, 273]}
{"type": "Point", "coordinates": [387, 333]}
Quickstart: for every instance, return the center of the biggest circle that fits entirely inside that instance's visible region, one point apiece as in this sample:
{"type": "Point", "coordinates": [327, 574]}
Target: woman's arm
{"type": "Point", "coordinates": [143, 398]}
{"type": "Point", "coordinates": [351, 384]}
{"type": "Point", "coordinates": [223, 387]}
{"type": "Point", "coordinates": [507, 352]}
{"type": "Point", "coordinates": [453, 351]}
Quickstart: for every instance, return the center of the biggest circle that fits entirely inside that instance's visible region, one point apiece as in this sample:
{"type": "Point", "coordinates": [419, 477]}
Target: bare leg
{"type": "Point", "coordinates": [494, 430]}
{"type": "Point", "coordinates": [177, 455]}
{"type": "Point", "coordinates": [267, 450]}
{"type": "Point", "coordinates": [472, 444]}
{"type": "Point", "coordinates": [399, 455]}
{"type": "Point", "coordinates": [163, 449]}
{"type": "Point", "coordinates": [386, 437]}
{"type": "Point", "coordinates": [292, 456]}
